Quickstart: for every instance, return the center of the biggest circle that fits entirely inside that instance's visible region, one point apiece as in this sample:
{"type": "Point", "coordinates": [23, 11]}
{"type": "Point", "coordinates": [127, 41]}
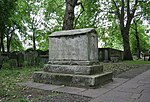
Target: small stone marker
{"type": "Point", "coordinates": [73, 60]}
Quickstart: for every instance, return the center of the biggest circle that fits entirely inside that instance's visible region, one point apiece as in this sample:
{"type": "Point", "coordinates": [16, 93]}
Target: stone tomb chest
{"type": "Point", "coordinates": [73, 45]}
{"type": "Point", "coordinates": [73, 60]}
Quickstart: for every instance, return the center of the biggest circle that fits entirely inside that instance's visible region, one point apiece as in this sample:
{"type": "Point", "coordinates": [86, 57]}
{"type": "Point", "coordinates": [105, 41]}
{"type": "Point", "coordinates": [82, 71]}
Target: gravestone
{"type": "Point", "coordinates": [31, 57]}
{"type": "Point", "coordinates": [73, 60]}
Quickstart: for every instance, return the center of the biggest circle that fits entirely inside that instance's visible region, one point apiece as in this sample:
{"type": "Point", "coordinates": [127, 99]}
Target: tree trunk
{"type": "Point", "coordinates": [8, 44]}
{"type": "Point", "coordinates": [126, 45]}
{"type": "Point", "coordinates": [2, 42]}
{"type": "Point", "coordinates": [137, 42]}
{"type": "Point", "coordinates": [33, 37]}
{"type": "Point", "coordinates": [34, 44]}
{"type": "Point", "coordinates": [69, 15]}
{"type": "Point", "coordinates": [9, 38]}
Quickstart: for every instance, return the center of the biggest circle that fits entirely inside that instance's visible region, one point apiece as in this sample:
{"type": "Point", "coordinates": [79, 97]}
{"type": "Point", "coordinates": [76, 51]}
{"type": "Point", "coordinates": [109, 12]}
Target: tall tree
{"type": "Point", "coordinates": [125, 23]}
{"type": "Point", "coordinates": [34, 19]}
{"type": "Point", "coordinates": [7, 11]}
{"type": "Point", "coordinates": [136, 33]}
{"type": "Point", "coordinates": [143, 38]}
{"type": "Point", "coordinates": [126, 11]}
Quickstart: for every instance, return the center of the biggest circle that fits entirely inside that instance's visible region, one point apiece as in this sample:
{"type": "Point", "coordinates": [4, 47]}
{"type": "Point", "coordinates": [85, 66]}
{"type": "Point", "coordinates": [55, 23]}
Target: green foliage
{"type": "Point", "coordinates": [6, 65]}
{"type": "Point", "coordinates": [144, 6]}
{"type": "Point", "coordinates": [16, 44]}
{"type": "Point", "coordinates": [89, 17]}
{"type": "Point", "coordinates": [37, 19]}
{"type": "Point", "coordinates": [143, 38]}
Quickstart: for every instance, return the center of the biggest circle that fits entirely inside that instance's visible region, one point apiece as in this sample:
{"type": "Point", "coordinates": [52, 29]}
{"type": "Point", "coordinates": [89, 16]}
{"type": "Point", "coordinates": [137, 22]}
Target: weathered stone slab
{"type": "Point", "coordinates": [70, 79]}
{"type": "Point", "coordinates": [129, 90]}
{"type": "Point", "coordinates": [116, 82]}
{"type": "Point", "coordinates": [71, 90]}
{"type": "Point", "coordinates": [49, 87]}
{"type": "Point", "coordinates": [73, 69]}
{"type": "Point", "coordinates": [74, 45]}
{"type": "Point", "coordinates": [112, 99]}
{"type": "Point", "coordinates": [94, 92]}
{"type": "Point", "coordinates": [145, 97]}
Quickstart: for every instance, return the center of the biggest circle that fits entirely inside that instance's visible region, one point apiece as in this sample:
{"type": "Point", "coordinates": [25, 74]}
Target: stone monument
{"type": "Point", "coordinates": [73, 60]}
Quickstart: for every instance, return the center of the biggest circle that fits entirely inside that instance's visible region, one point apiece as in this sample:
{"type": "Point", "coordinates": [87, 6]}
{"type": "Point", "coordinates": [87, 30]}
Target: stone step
{"type": "Point", "coordinates": [74, 69]}
{"type": "Point", "coordinates": [87, 81]}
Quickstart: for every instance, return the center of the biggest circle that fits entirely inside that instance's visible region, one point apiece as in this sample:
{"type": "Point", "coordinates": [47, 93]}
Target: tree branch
{"type": "Point", "coordinates": [80, 3]}
{"type": "Point", "coordinates": [122, 13]}
{"type": "Point", "coordinates": [128, 9]}
{"type": "Point", "coordinates": [131, 16]}
{"type": "Point", "coordinates": [117, 9]}
{"type": "Point", "coordinates": [12, 30]}
{"type": "Point", "coordinates": [134, 8]}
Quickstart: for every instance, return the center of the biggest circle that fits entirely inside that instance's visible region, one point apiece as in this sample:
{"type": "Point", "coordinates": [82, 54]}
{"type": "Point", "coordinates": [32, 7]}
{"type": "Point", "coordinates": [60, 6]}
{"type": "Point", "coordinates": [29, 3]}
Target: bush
{"type": "Point", "coordinates": [8, 64]}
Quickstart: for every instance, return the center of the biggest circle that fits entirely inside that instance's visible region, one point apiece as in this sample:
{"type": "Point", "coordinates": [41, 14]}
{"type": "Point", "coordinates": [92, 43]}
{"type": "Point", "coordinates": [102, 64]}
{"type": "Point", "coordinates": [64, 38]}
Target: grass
{"type": "Point", "coordinates": [137, 62]}
{"type": "Point", "coordinates": [9, 91]}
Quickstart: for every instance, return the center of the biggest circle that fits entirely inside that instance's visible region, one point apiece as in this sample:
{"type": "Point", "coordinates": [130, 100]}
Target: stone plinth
{"type": "Point", "coordinates": [74, 69]}
{"type": "Point", "coordinates": [73, 60]}
{"type": "Point", "coordinates": [88, 81]}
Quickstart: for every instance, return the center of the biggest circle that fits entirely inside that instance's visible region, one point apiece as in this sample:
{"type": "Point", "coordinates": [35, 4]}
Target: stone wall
{"type": "Point", "coordinates": [109, 54]}
{"type": "Point", "coordinates": [24, 58]}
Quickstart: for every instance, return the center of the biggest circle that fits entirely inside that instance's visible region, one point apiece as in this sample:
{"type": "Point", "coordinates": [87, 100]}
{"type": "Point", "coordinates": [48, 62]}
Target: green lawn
{"type": "Point", "coordinates": [137, 62]}
{"type": "Point", "coordinates": [9, 91]}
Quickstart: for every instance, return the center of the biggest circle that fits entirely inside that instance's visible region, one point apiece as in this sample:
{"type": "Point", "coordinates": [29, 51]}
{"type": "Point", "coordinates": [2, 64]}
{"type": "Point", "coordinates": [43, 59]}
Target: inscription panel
{"type": "Point", "coordinates": [68, 48]}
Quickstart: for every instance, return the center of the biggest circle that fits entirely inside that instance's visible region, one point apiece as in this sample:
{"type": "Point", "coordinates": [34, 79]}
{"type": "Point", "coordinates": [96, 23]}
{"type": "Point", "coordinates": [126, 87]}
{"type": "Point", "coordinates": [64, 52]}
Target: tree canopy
{"type": "Point", "coordinates": [27, 23]}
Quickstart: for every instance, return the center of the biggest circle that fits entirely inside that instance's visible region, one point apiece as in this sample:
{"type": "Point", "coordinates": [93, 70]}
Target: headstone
{"type": "Point", "coordinates": [73, 60]}
{"type": "Point", "coordinates": [43, 56]}
{"type": "Point", "coordinates": [20, 59]}
{"type": "Point", "coordinates": [31, 57]}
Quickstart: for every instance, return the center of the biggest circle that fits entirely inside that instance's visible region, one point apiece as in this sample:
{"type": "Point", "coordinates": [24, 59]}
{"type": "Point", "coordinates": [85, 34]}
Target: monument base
{"type": "Point", "coordinates": [74, 69]}
{"type": "Point", "coordinates": [87, 81]}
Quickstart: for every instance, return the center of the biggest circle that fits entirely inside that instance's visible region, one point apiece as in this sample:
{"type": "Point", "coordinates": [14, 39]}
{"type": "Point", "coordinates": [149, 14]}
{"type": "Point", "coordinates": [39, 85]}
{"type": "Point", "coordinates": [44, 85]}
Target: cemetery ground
{"type": "Point", "coordinates": [11, 92]}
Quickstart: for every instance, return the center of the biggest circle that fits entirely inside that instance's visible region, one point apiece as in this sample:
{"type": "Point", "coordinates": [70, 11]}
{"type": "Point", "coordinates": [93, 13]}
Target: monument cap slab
{"type": "Point", "coordinates": [72, 32]}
